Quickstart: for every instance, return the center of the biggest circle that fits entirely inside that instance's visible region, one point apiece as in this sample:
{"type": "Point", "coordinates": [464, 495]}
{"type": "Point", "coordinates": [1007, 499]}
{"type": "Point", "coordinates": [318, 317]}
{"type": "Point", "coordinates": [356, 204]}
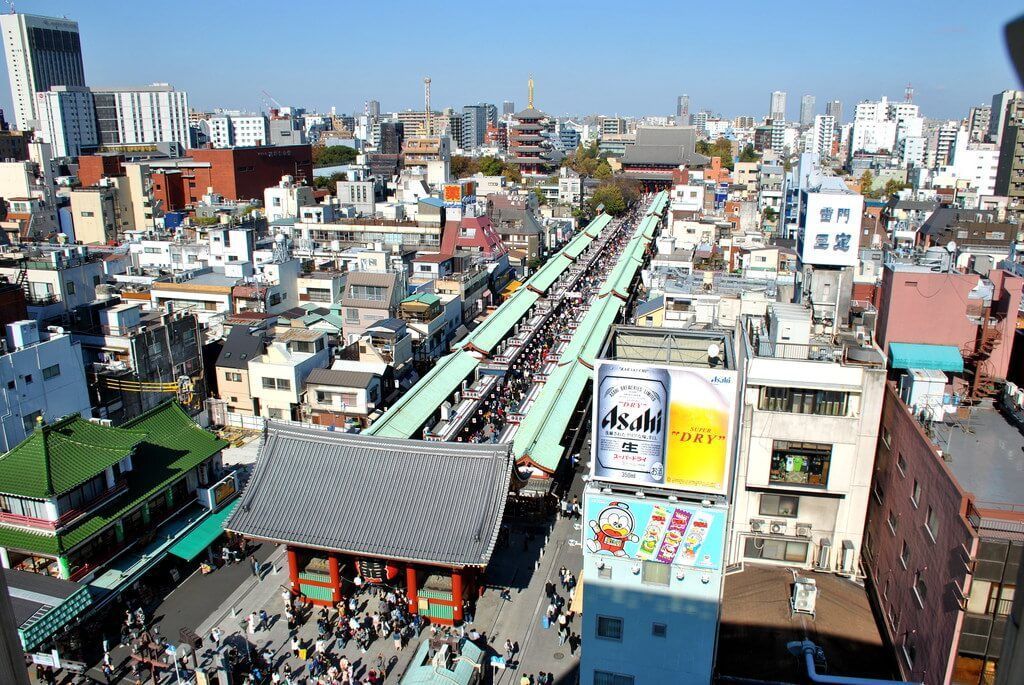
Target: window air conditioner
{"type": "Point", "coordinates": [756, 525]}
{"type": "Point", "coordinates": [803, 530]}
{"type": "Point", "coordinates": [778, 527]}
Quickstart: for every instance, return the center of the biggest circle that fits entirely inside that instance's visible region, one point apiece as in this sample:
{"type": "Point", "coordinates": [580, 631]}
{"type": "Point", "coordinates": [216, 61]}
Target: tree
{"type": "Point", "coordinates": [329, 182]}
{"type": "Point", "coordinates": [463, 166]}
{"type": "Point", "coordinates": [541, 200]}
{"type": "Point", "coordinates": [603, 171]}
{"type": "Point", "coordinates": [749, 154]}
{"type": "Point", "coordinates": [512, 173]}
{"type": "Point", "coordinates": [893, 186]}
{"type": "Point", "coordinates": [334, 155]}
{"type": "Point", "coordinates": [721, 148]}
{"type": "Point", "coordinates": [866, 181]}
{"type": "Point", "coordinates": [616, 195]}
{"type": "Point", "coordinates": [491, 166]}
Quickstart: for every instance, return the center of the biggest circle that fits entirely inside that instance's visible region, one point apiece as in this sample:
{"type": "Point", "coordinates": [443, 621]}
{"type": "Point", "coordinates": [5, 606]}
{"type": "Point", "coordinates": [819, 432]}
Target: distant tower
{"type": "Point", "coordinates": [426, 99]}
{"type": "Point", "coordinates": [908, 93]}
{"type": "Point", "coordinates": [529, 103]}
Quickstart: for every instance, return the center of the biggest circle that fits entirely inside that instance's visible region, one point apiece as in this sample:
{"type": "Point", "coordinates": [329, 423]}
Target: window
{"type": "Point", "coordinates": [607, 678]}
{"type": "Point", "coordinates": [893, 523]}
{"type": "Point", "coordinates": [605, 573]}
{"type": "Point", "coordinates": [909, 649]}
{"type": "Point", "coordinates": [28, 378]}
{"type": "Point", "coordinates": [351, 315]}
{"type": "Point", "coordinates": [29, 420]}
{"type": "Point", "coordinates": [275, 413]}
{"type": "Point", "coordinates": [234, 377]}
{"type": "Point", "coordinates": [901, 464]}
{"type": "Point", "coordinates": [87, 214]}
{"type": "Point", "coordinates": [886, 437]}
{"type": "Point", "coordinates": [775, 550]}
{"type": "Point", "coordinates": [374, 293]}
{"type": "Point", "coordinates": [920, 589]}
{"type": "Point", "coordinates": [803, 401]}
{"type": "Point", "coordinates": [877, 490]}
{"type": "Point", "coordinates": [802, 463]}
{"type": "Point", "coordinates": [659, 629]}
{"type": "Point", "coordinates": [277, 384]}
{"type": "Point", "coordinates": [609, 627]}
{"type": "Point", "coordinates": [779, 505]}
{"type": "Point", "coordinates": [51, 372]}
{"type": "Point", "coordinates": [71, 287]}
{"type": "Point", "coordinates": [655, 573]}
{"type": "Point", "coordinates": [931, 524]}
{"type": "Point", "coordinates": [905, 554]}
{"type": "Point", "coordinates": [915, 496]}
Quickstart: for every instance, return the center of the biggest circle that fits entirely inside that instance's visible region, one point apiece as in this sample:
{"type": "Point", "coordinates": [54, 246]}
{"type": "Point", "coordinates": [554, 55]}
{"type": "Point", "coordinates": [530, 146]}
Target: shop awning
{"type": "Point", "coordinates": [920, 356]}
{"type": "Point", "coordinates": [200, 537]}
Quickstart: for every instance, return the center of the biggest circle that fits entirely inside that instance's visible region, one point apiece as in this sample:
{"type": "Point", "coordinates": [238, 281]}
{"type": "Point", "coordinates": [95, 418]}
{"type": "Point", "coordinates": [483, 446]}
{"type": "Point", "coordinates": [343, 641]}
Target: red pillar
{"type": "Point", "coordinates": [411, 590]}
{"type": "Point", "coordinates": [293, 569]}
{"type": "Point", "coordinates": [332, 565]}
{"type": "Point", "coordinates": [457, 596]}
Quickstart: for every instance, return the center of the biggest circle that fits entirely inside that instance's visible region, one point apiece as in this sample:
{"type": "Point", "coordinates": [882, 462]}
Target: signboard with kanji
{"type": "Point", "coordinates": [830, 232]}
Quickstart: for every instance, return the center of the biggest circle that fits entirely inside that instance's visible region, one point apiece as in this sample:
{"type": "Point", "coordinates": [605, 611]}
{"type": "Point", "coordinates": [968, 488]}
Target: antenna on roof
{"type": "Point", "coordinates": [908, 93]}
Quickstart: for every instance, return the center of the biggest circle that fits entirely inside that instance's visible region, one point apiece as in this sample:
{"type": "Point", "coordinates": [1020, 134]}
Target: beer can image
{"type": "Point", "coordinates": [696, 453]}
{"type": "Point", "coordinates": [631, 423]}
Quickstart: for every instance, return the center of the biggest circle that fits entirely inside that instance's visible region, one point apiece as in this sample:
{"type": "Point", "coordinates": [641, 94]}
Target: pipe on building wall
{"type": "Point", "coordinates": [810, 650]}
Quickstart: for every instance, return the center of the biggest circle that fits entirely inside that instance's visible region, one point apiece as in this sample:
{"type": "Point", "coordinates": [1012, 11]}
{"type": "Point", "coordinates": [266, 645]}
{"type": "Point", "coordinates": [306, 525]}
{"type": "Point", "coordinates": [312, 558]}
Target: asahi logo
{"type": "Point", "coordinates": [647, 422]}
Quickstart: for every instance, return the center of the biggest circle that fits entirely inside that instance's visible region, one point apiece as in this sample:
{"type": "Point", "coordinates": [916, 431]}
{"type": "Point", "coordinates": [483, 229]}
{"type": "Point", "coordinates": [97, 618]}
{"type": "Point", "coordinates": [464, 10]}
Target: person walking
{"type": "Point", "coordinates": [397, 637]}
{"type": "Point", "coordinates": [295, 645]}
{"type": "Point", "coordinates": [264, 620]}
{"type": "Point", "coordinates": [253, 623]}
{"type": "Point", "coordinates": [216, 635]}
{"type": "Point", "coordinates": [255, 565]}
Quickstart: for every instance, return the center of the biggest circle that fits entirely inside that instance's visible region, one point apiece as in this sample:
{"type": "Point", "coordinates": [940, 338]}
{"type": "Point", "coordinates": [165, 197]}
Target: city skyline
{"type": "Point", "coordinates": [214, 72]}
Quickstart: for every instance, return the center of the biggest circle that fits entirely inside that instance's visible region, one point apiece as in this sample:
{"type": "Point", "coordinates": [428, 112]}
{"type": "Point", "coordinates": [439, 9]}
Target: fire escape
{"type": "Point", "coordinates": [978, 367]}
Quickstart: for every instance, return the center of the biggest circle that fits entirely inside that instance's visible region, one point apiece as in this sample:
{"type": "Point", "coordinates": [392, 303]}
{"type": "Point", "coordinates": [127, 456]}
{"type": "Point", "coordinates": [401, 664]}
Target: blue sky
{"type": "Point", "coordinates": [597, 57]}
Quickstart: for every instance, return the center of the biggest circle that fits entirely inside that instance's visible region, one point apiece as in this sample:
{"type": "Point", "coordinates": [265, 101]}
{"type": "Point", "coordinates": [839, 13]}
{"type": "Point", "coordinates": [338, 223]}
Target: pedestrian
{"type": "Point", "coordinates": [549, 589]}
{"type": "Point", "coordinates": [321, 645]}
{"type": "Point", "coordinates": [515, 648]}
{"type": "Point", "coordinates": [225, 554]}
{"type": "Point", "coordinates": [255, 566]}
{"type": "Point", "coordinates": [140, 617]}
{"type": "Point", "coordinates": [295, 645]}
{"type": "Point", "coordinates": [508, 650]}
{"type": "Point", "coordinates": [287, 672]}
{"type": "Point", "coordinates": [264, 620]}
{"type": "Point", "coordinates": [253, 622]}
{"type": "Point", "coordinates": [397, 637]}
{"type": "Point", "coordinates": [286, 595]}
{"type": "Point", "coordinates": [215, 637]}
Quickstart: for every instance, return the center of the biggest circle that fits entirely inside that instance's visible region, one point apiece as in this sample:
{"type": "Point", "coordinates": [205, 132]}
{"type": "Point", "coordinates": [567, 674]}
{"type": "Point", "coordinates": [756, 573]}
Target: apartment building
{"type": "Point", "coordinates": [344, 399]}
{"type": "Point", "coordinates": [277, 378]}
{"type": "Point", "coordinates": [56, 280]}
{"type": "Point", "coordinates": [232, 368]}
{"type": "Point", "coordinates": [808, 429]}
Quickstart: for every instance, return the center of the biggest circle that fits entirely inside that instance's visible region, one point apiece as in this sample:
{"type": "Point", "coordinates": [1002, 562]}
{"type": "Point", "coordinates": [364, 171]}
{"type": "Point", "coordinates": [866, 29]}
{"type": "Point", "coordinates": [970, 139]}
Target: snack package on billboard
{"type": "Point", "coordinates": [631, 423]}
{"type": "Point", "coordinates": [652, 534]}
{"type": "Point", "coordinates": [695, 538]}
{"type": "Point", "coordinates": [674, 536]}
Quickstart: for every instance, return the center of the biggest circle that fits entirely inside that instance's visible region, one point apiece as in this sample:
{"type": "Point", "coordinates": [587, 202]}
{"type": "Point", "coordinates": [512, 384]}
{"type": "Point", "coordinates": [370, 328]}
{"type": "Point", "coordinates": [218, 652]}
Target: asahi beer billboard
{"type": "Point", "coordinates": [666, 426]}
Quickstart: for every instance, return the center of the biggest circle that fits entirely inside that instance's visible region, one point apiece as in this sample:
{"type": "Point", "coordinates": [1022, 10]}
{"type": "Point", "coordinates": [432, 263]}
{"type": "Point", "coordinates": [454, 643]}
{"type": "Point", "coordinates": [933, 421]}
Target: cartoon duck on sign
{"type": "Point", "coordinates": [612, 530]}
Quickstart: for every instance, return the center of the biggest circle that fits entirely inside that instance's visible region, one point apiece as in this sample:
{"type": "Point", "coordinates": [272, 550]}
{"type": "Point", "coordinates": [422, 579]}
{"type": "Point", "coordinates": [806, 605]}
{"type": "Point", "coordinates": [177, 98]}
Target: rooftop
{"type": "Point", "coordinates": [428, 502]}
{"type": "Point", "coordinates": [757, 623]}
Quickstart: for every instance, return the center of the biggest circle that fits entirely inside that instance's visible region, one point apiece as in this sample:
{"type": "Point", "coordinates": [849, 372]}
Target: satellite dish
{"type": "Point", "coordinates": [951, 246]}
{"type": "Point", "coordinates": [714, 351]}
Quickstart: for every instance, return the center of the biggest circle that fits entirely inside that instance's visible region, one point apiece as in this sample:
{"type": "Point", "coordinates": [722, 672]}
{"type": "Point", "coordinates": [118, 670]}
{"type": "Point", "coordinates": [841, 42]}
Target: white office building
{"type": "Point", "coordinates": [149, 114]}
{"type": "Point", "coordinates": [234, 129]}
{"type": "Point", "coordinates": [42, 52]}
{"type": "Point", "coordinates": [777, 110]}
{"type": "Point", "coordinates": [41, 377]}
{"type": "Point", "coordinates": [821, 138]}
{"type": "Point", "coordinates": [67, 120]}
{"type": "Point", "coordinates": [975, 162]}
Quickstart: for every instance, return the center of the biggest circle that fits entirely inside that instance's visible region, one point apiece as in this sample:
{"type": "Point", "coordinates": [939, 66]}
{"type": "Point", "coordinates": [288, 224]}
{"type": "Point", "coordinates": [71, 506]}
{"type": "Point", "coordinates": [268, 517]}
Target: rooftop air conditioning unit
{"type": "Point", "coordinates": [756, 525]}
{"type": "Point", "coordinates": [778, 527]}
{"type": "Point", "coordinates": [805, 595]}
{"type": "Point", "coordinates": [803, 530]}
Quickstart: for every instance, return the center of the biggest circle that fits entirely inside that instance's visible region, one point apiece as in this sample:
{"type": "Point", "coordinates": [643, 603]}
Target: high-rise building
{"type": "Point", "coordinates": [67, 120]}
{"type": "Point", "coordinates": [997, 118]}
{"type": "Point", "coordinates": [392, 135]}
{"type": "Point", "coordinates": [821, 138]}
{"type": "Point", "coordinates": [372, 109]}
{"type": "Point", "coordinates": [474, 126]}
{"type": "Point", "coordinates": [777, 111]}
{"type": "Point", "coordinates": [978, 122]}
{"type": "Point", "coordinates": [508, 107]}
{"type": "Point", "coordinates": [683, 110]}
{"type": "Point", "coordinates": [42, 52]}
{"type": "Point", "coordinates": [234, 129]}
{"type": "Point", "coordinates": [834, 108]}
{"type": "Point", "coordinates": [149, 114]}
{"type": "Point", "coordinates": [807, 110]}
{"type": "Point", "coordinates": [1009, 181]}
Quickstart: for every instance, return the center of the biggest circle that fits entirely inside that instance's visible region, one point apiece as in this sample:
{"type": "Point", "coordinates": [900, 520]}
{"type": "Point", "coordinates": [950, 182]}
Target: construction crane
{"type": "Point", "coordinates": [269, 100]}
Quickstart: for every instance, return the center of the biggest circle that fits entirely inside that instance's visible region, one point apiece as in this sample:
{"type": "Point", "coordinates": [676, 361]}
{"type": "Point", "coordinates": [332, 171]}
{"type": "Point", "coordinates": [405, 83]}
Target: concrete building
{"type": "Point", "coordinates": [284, 200]}
{"type": "Point", "coordinates": [822, 136]}
{"type": "Point", "coordinates": [41, 52]}
{"type": "Point", "coordinates": [944, 539]}
{"type": "Point", "coordinates": [1010, 173]}
{"type": "Point", "coordinates": [834, 108]}
{"type": "Point", "coordinates": [643, 592]}
{"type": "Point", "coordinates": [234, 129]}
{"type": "Point", "coordinates": [43, 379]}
{"type": "Point", "coordinates": [975, 161]}
{"type": "Point", "coordinates": [56, 280]}
{"type": "Point", "coordinates": [777, 108]}
{"type": "Point", "coordinates": [359, 194]}
{"type": "Point", "coordinates": [232, 368]}
{"type": "Point", "coordinates": [277, 378]}
{"type": "Point", "coordinates": [808, 431]}
{"type": "Point", "coordinates": [999, 113]}
{"type": "Point", "coordinates": [67, 120]}
{"type": "Point", "coordinates": [807, 110]}
{"type": "Point", "coordinates": [137, 116]}
{"type": "Point", "coordinates": [474, 126]}
{"type": "Point", "coordinates": [286, 130]}
{"type": "Point", "coordinates": [95, 215]}
{"type": "Point", "coordinates": [344, 399]}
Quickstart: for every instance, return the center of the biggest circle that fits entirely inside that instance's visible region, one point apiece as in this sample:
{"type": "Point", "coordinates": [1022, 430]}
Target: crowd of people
{"type": "Point", "coordinates": [514, 388]}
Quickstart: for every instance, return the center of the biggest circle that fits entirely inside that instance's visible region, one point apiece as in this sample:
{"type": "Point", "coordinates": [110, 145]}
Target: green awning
{"type": "Point", "coordinates": [200, 537]}
{"type": "Point", "coordinates": [920, 356]}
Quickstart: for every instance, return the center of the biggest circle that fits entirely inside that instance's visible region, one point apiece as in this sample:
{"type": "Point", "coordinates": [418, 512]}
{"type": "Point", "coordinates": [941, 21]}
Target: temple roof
{"type": "Point", "coordinates": [429, 502]}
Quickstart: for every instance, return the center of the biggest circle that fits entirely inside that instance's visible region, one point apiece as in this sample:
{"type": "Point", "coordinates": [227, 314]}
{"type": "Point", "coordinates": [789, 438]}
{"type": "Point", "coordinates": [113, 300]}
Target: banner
{"type": "Point", "coordinates": [667, 426]}
{"type": "Point", "coordinates": [645, 530]}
